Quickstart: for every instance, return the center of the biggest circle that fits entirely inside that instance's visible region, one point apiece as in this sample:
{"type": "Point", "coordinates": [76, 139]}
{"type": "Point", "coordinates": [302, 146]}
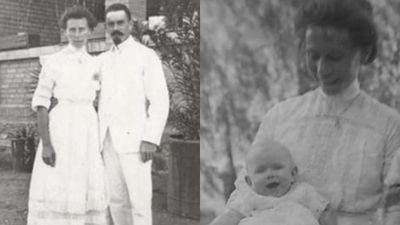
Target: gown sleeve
{"type": "Point", "coordinates": [391, 168]}
{"type": "Point", "coordinates": [44, 89]}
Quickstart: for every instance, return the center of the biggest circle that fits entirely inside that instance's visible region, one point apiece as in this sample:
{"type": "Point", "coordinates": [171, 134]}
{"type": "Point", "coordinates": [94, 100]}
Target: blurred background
{"type": "Point", "coordinates": [249, 62]}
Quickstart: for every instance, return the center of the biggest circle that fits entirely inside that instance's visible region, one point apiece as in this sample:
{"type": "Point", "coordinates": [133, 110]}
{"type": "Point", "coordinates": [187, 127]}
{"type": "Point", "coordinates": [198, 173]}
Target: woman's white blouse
{"type": "Point", "coordinates": [66, 75]}
{"type": "Point", "coordinates": [347, 162]}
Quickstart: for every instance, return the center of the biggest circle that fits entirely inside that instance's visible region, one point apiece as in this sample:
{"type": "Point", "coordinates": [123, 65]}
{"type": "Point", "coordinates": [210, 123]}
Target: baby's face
{"type": "Point", "coordinates": [271, 174]}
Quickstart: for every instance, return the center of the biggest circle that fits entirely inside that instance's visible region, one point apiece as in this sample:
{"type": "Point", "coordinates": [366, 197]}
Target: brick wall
{"type": "Point", "coordinates": [15, 17]}
{"type": "Point", "coordinates": [15, 93]}
{"type": "Point", "coordinates": [14, 83]}
{"type": "Point", "coordinates": [37, 17]}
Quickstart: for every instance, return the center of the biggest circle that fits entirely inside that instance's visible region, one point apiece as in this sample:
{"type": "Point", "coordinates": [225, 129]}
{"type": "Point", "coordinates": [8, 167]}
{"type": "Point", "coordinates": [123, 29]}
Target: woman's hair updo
{"type": "Point", "coordinates": [77, 12]}
{"type": "Point", "coordinates": [353, 16]}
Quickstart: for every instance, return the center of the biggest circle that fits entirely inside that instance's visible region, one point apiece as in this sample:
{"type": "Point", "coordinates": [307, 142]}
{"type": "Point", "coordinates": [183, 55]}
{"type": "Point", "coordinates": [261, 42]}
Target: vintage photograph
{"type": "Point", "coordinates": [99, 112]}
{"type": "Point", "coordinates": [300, 118]}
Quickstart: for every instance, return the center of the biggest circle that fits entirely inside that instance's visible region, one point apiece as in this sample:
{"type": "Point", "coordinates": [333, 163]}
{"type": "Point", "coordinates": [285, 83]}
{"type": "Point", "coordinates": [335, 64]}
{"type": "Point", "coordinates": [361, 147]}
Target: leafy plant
{"type": "Point", "coordinates": [23, 141]}
{"type": "Point", "coordinates": [178, 44]}
{"type": "Point", "coordinates": [21, 131]}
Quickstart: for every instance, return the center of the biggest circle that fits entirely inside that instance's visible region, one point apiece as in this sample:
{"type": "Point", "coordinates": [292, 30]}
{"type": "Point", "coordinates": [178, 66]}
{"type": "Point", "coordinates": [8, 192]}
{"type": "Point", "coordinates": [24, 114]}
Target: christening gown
{"type": "Point", "coordinates": [343, 146]}
{"type": "Point", "coordinates": [73, 192]}
{"type": "Point", "coordinates": [302, 205]}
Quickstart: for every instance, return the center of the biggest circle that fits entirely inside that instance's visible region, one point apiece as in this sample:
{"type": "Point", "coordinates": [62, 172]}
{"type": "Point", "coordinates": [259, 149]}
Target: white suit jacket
{"type": "Point", "coordinates": [130, 74]}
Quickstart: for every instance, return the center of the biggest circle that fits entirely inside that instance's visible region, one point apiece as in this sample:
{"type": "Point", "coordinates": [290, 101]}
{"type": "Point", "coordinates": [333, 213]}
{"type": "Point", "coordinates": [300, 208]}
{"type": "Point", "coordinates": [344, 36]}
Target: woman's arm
{"type": "Point", "coordinates": [48, 154]}
{"type": "Point", "coordinates": [391, 172]}
{"type": "Point", "coordinates": [328, 217]}
{"type": "Point", "coordinates": [392, 217]}
{"type": "Point", "coordinates": [229, 217]}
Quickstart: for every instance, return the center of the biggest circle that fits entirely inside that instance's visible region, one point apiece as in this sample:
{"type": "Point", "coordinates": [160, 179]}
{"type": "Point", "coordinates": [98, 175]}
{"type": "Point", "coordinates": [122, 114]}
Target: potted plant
{"type": "Point", "coordinates": [22, 139]}
{"type": "Point", "coordinates": [179, 48]}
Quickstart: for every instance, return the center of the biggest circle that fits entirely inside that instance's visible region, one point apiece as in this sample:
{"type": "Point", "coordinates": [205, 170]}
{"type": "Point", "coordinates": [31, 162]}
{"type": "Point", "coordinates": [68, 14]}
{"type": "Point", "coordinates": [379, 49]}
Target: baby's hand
{"type": "Point", "coordinates": [242, 201]}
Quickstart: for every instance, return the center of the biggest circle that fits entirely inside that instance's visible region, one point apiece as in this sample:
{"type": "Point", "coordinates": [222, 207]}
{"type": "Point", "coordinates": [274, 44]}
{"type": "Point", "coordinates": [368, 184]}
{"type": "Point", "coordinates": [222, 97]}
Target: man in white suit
{"type": "Point", "coordinates": [133, 110]}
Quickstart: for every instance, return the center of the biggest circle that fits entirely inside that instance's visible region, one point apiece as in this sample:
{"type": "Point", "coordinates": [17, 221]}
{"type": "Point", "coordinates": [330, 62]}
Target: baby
{"type": "Point", "coordinates": [273, 195]}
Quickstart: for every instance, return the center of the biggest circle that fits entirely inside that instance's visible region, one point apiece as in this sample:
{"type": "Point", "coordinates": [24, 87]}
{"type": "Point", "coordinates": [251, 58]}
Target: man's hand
{"type": "Point", "coordinates": [147, 150]}
{"type": "Point", "coordinates": [49, 155]}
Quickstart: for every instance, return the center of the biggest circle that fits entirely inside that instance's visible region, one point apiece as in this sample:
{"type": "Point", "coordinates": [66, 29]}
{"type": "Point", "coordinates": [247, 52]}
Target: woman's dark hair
{"type": "Point", "coordinates": [77, 12]}
{"type": "Point", "coordinates": [353, 16]}
{"type": "Point", "coordinates": [119, 7]}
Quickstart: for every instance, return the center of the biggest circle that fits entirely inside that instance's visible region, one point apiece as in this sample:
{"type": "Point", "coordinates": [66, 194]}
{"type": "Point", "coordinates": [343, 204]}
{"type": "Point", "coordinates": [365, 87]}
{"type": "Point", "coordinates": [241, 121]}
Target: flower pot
{"type": "Point", "coordinates": [23, 154]}
{"type": "Point", "coordinates": [183, 196]}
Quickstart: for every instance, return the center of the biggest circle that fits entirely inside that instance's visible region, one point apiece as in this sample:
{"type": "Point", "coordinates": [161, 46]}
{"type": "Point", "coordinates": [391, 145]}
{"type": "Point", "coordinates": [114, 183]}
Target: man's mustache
{"type": "Point", "coordinates": [116, 32]}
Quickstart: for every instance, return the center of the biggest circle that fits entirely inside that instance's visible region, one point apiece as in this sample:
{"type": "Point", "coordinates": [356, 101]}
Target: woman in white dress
{"type": "Point", "coordinates": [67, 185]}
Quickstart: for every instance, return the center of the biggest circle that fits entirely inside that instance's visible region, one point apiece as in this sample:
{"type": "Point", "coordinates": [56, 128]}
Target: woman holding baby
{"type": "Point", "coordinates": [344, 143]}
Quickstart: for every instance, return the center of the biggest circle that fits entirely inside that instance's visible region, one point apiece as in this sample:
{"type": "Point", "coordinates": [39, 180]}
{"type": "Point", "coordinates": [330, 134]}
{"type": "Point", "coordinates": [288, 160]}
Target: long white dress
{"type": "Point", "coordinates": [72, 192]}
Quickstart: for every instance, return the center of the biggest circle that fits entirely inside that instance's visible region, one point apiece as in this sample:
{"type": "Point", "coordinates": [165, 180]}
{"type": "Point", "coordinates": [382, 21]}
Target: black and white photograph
{"type": "Point", "coordinates": [300, 112]}
{"type": "Point", "coordinates": [99, 112]}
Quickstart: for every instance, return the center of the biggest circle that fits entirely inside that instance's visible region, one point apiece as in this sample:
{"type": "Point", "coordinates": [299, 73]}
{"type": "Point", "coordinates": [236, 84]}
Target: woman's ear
{"type": "Point", "coordinates": [366, 55]}
{"type": "Point", "coordinates": [248, 180]}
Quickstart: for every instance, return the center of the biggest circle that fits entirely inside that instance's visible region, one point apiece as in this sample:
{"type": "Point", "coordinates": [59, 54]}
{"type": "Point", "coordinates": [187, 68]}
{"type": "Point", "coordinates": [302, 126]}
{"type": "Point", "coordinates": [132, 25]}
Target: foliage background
{"type": "Point", "coordinates": [249, 62]}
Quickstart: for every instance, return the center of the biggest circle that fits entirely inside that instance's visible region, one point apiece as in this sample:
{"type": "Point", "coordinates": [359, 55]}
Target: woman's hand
{"type": "Point", "coordinates": [392, 217]}
{"type": "Point", "coordinates": [328, 216]}
{"type": "Point", "coordinates": [392, 196]}
{"type": "Point", "coordinates": [49, 155]}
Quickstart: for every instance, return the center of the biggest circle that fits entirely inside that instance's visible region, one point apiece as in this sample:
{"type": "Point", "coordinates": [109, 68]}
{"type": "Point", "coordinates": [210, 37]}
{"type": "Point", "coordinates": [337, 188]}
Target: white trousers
{"type": "Point", "coordinates": [129, 185]}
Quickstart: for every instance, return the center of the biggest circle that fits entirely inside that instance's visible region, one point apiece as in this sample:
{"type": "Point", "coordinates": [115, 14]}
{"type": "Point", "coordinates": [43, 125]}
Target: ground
{"type": "Point", "coordinates": [14, 197]}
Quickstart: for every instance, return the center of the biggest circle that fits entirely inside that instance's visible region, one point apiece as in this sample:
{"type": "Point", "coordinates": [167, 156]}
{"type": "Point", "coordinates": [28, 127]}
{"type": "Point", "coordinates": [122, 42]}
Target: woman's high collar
{"type": "Point", "coordinates": [70, 49]}
{"type": "Point", "coordinates": [348, 94]}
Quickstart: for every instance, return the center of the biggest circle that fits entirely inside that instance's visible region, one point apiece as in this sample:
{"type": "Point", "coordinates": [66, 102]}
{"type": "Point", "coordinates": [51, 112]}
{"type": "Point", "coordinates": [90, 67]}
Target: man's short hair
{"type": "Point", "coordinates": [119, 7]}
